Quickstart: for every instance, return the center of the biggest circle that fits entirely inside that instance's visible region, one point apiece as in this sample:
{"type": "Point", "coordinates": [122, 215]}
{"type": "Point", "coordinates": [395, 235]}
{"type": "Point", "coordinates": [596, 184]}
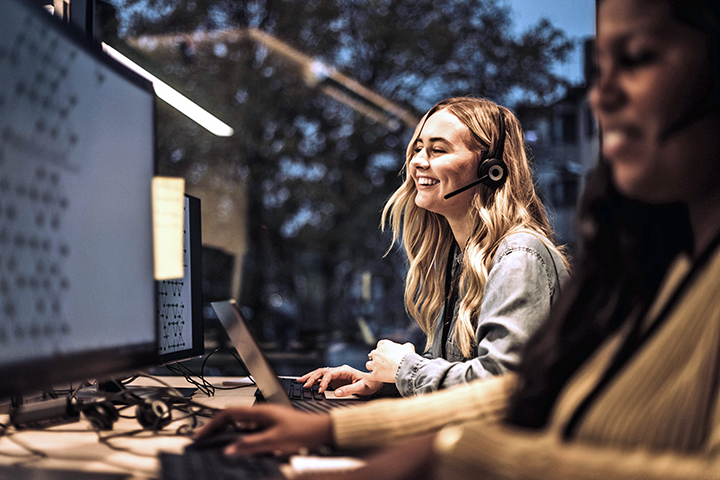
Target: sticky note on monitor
{"type": "Point", "coordinates": [168, 199]}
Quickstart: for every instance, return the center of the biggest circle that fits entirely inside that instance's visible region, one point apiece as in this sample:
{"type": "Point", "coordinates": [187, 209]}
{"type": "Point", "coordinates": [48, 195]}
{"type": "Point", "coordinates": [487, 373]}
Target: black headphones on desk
{"type": "Point", "coordinates": [101, 414]}
{"type": "Point", "coordinates": [152, 413]}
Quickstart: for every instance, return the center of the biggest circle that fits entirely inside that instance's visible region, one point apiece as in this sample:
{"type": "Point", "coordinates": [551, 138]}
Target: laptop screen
{"type": "Point", "coordinates": [250, 353]}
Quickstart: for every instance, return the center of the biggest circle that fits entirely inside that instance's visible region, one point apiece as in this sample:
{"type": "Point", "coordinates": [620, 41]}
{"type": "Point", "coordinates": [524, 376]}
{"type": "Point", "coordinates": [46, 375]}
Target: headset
{"type": "Point", "coordinates": [152, 413]}
{"type": "Point", "coordinates": [101, 414]}
{"type": "Point", "coordinates": [492, 171]}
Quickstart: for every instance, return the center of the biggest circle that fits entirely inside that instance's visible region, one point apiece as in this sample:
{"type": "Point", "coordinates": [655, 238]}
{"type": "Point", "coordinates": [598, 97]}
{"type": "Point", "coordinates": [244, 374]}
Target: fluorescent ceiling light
{"type": "Point", "coordinates": [173, 97]}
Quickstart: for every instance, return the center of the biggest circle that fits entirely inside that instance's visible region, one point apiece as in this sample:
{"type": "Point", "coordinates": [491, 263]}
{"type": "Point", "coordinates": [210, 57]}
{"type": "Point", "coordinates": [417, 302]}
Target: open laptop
{"type": "Point", "coordinates": [268, 383]}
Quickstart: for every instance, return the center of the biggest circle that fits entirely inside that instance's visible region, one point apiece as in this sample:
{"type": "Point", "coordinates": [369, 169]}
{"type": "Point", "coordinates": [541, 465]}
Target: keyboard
{"type": "Point", "coordinates": [294, 389]}
{"type": "Point", "coordinates": [310, 399]}
{"type": "Point", "coordinates": [17, 472]}
{"type": "Point", "coordinates": [213, 464]}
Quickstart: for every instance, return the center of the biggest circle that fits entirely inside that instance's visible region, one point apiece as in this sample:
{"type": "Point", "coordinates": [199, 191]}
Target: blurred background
{"type": "Point", "coordinates": [322, 97]}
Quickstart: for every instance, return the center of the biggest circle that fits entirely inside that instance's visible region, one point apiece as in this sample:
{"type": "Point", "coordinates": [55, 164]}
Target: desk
{"type": "Point", "coordinates": [75, 446]}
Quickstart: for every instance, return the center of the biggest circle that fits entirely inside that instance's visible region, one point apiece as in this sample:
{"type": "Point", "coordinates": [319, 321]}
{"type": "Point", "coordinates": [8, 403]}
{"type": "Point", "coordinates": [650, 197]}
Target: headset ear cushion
{"type": "Point", "coordinates": [101, 415]}
{"type": "Point", "coordinates": [495, 171]}
{"type": "Point", "coordinates": [153, 413]}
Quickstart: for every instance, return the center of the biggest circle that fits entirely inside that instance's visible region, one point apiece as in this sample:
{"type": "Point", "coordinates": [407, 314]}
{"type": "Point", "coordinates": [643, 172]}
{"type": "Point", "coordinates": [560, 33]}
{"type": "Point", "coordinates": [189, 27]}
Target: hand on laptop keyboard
{"type": "Point", "coordinates": [345, 380]}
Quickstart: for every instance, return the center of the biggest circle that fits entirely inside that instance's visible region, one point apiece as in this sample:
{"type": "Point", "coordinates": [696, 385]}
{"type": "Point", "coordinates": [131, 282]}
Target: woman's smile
{"type": "Point", "coordinates": [423, 181]}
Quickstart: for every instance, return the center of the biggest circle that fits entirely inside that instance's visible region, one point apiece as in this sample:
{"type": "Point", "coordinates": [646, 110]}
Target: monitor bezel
{"type": "Point", "coordinates": [31, 376]}
{"type": "Point", "coordinates": [195, 232]}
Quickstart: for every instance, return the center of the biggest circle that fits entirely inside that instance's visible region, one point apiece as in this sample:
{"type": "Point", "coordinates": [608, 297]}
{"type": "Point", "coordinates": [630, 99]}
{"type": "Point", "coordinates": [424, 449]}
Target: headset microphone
{"type": "Point", "coordinates": [466, 187]}
{"type": "Point", "coordinates": [492, 171]}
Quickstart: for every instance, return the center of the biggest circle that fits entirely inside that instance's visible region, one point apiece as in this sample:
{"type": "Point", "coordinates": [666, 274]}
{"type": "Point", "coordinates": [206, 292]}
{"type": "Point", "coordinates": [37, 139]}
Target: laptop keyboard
{"type": "Point", "coordinates": [213, 464]}
{"type": "Point", "coordinates": [294, 389]}
{"type": "Point", "coordinates": [309, 399]}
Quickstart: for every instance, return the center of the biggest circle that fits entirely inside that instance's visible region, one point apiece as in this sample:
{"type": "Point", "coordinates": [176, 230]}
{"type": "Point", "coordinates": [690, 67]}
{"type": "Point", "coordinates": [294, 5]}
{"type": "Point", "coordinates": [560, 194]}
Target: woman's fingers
{"type": "Point", "coordinates": [311, 377]}
{"type": "Point", "coordinates": [286, 431]}
{"type": "Point", "coordinates": [357, 388]}
{"type": "Point", "coordinates": [260, 442]}
{"type": "Point", "coordinates": [336, 377]}
{"type": "Point", "coordinates": [327, 377]}
{"type": "Point", "coordinates": [364, 386]}
{"type": "Point", "coordinates": [248, 417]}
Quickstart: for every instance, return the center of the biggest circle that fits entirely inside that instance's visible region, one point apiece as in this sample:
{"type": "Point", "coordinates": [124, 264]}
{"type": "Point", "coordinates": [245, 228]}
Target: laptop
{"type": "Point", "coordinates": [274, 389]}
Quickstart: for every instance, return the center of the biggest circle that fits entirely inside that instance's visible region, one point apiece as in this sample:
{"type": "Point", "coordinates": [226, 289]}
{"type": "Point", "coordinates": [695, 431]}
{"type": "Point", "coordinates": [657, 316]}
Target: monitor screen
{"type": "Point", "coordinates": [180, 302]}
{"type": "Point", "coordinates": [77, 157]}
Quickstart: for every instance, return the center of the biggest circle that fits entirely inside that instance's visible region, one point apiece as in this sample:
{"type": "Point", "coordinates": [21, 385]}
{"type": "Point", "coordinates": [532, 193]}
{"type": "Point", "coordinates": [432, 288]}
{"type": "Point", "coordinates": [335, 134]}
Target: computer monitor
{"type": "Point", "coordinates": [180, 302]}
{"type": "Point", "coordinates": [77, 157]}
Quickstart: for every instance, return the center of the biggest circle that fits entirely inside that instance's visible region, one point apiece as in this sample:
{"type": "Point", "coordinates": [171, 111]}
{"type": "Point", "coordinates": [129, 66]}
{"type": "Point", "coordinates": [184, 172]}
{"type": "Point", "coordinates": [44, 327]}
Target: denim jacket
{"type": "Point", "coordinates": [524, 280]}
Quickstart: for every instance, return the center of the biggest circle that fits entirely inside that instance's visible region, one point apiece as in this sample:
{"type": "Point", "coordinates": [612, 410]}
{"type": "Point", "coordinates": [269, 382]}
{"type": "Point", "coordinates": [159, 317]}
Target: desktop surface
{"type": "Point", "coordinates": [128, 451]}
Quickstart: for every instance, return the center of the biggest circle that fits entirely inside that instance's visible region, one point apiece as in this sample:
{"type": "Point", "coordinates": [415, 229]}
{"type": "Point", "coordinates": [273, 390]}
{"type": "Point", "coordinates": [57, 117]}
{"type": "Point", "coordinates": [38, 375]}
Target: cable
{"type": "Point", "coordinates": [203, 385]}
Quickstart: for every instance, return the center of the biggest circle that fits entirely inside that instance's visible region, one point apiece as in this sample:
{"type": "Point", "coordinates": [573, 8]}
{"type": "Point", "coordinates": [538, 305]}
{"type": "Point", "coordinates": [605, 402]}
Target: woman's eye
{"type": "Point", "coordinates": [635, 60]}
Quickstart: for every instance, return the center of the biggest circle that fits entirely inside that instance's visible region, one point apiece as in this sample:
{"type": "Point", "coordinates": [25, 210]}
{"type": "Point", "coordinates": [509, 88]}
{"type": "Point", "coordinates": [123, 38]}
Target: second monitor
{"type": "Point", "coordinates": [180, 301]}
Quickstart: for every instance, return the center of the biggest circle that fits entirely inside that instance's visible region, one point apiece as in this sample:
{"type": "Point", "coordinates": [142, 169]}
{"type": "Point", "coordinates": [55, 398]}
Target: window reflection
{"type": "Point", "coordinates": [322, 97]}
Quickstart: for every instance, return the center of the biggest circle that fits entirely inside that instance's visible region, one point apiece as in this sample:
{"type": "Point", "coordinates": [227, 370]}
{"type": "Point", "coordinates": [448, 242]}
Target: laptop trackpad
{"type": "Point", "coordinates": [331, 394]}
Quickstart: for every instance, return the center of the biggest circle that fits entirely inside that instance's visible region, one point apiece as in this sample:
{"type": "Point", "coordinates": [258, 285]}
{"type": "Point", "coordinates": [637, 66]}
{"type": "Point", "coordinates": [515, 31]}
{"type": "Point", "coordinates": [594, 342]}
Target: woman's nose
{"type": "Point", "coordinates": [606, 95]}
{"type": "Point", "coordinates": [420, 160]}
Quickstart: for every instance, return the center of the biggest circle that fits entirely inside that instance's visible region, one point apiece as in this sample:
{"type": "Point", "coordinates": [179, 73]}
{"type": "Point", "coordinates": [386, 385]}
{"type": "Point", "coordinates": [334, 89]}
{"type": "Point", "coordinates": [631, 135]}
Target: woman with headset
{"type": "Point", "coordinates": [623, 380]}
{"type": "Point", "coordinates": [482, 267]}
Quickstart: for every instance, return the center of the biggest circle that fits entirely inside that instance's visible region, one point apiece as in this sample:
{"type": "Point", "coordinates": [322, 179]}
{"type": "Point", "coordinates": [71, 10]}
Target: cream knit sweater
{"type": "Point", "coordinates": [657, 419]}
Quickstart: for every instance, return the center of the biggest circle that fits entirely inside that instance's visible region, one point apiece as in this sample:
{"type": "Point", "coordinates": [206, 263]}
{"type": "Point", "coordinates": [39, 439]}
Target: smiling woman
{"type": "Point", "coordinates": [483, 269]}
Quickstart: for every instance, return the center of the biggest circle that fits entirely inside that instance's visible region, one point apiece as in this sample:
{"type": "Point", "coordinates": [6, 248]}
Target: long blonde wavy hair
{"type": "Point", "coordinates": [493, 215]}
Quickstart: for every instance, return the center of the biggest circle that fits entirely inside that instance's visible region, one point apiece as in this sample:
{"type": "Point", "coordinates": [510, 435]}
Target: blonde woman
{"type": "Point", "coordinates": [483, 268]}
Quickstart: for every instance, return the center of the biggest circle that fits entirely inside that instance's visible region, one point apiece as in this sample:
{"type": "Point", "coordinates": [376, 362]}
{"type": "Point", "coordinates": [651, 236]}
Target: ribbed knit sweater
{"type": "Point", "coordinates": [658, 418]}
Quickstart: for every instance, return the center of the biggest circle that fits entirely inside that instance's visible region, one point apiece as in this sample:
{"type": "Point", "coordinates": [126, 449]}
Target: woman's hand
{"type": "Point", "coordinates": [385, 359]}
{"type": "Point", "coordinates": [345, 380]}
{"type": "Point", "coordinates": [281, 429]}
